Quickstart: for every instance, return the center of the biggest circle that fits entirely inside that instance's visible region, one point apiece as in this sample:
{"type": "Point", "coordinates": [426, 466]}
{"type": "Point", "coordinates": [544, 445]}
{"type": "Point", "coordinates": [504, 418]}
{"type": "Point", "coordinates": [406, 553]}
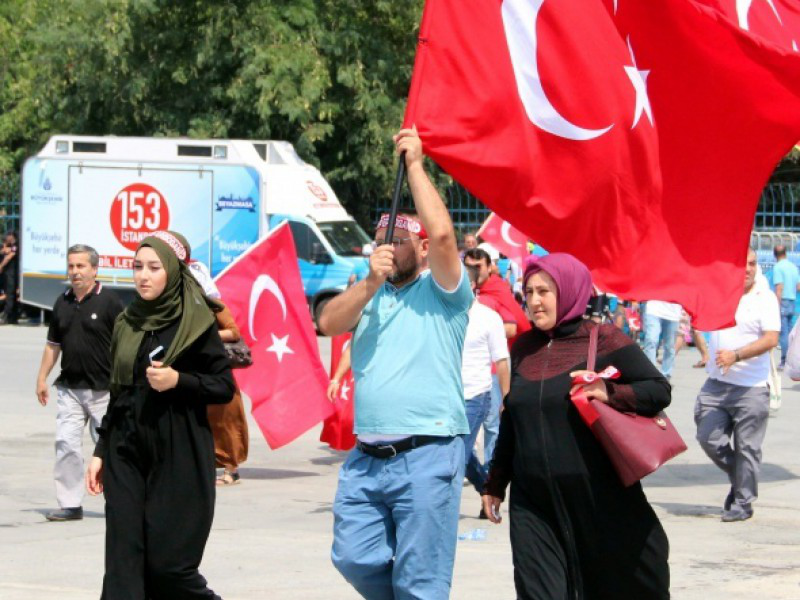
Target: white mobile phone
{"type": "Point", "coordinates": [155, 353]}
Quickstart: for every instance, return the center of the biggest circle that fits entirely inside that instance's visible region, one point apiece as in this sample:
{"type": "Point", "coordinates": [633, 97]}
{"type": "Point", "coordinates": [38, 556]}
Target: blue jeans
{"type": "Point", "coordinates": [396, 521]}
{"type": "Point", "coordinates": [658, 330]}
{"type": "Point", "coordinates": [787, 314]}
{"type": "Point", "coordinates": [477, 408]}
{"type": "Point", "coordinates": [491, 425]}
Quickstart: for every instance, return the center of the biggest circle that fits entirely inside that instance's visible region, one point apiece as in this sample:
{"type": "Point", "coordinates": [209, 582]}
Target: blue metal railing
{"type": "Point", "coordinates": [779, 208]}
{"type": "Point", "coordinates": [778, 211]}
{"type": "Point", "coordinates": [9, 203]}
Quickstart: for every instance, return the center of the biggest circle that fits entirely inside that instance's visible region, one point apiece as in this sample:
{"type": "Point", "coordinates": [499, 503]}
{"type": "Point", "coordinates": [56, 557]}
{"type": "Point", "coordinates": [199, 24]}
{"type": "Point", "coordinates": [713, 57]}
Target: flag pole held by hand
{"type": "Point", "coordinates": [398, 186]}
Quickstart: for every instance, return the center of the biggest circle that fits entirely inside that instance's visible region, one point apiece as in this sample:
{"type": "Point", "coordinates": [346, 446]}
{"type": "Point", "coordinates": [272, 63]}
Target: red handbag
{"type": "Point", "coordinates": [635, 444]}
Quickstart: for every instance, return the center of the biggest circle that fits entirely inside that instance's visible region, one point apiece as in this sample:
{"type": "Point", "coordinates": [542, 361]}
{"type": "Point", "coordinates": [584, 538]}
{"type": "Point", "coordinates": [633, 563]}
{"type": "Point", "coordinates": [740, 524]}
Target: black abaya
{"type": "Point", "coordinates": [576, 532]}
{"type": "Point", "coordinates": [159, 473]}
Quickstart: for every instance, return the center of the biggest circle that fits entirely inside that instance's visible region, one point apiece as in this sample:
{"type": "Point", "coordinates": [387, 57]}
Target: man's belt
{"type": "Point", "coordinates": [391, 450]}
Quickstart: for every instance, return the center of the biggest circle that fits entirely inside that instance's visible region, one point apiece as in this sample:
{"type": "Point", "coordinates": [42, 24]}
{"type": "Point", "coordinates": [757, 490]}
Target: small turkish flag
{"type": "Point", "coordinates": [505, 238]}
{"type": "Point", "coordinates": [286, 382]}
{"type": "Point", "coordinates": [633, 318]}
{"type": "Point", "coordinates": [337, 431]}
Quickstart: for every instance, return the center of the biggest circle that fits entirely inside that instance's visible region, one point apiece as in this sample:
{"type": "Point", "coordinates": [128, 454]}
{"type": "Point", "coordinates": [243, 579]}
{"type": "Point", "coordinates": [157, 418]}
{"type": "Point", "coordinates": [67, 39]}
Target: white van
{"type": "Point", "coordinates": [223, 195]}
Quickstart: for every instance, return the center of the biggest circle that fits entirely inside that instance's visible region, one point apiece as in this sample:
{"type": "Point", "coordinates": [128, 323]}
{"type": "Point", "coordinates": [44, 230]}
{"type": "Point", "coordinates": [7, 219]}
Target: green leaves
{"type": "Point", "coordinates": [330, 76]}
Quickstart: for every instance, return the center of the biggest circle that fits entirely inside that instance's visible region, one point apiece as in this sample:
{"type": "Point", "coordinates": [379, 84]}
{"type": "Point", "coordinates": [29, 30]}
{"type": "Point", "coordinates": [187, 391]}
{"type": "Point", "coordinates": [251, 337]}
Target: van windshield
{"type": "Point", "coordinates": [346, 237]}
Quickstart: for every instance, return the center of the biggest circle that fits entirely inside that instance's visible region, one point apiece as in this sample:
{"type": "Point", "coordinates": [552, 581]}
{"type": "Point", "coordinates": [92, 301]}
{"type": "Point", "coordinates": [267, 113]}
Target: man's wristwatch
{"type": "Point", "coordinates": [736, 354]}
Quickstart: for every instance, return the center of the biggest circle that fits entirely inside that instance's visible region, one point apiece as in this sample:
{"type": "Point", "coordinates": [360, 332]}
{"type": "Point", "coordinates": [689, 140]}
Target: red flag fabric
{"type": "Point", "coordinates": [337, 431]}
{"type": "Point", "coordinates": [727, 108]}
{"type": "Point", "coordinates": [777, 21]}
{"type": "Point", "coordinates": [637, 140]}
{"type": "Point", "coordinates": [505, 238]}
{"type": "Point", "coordinates": [286, 382]}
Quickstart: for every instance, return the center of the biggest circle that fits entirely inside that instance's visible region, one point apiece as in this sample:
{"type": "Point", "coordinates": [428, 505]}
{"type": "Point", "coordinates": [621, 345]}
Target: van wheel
{"type": "Point", "coordinates": [318, 310]}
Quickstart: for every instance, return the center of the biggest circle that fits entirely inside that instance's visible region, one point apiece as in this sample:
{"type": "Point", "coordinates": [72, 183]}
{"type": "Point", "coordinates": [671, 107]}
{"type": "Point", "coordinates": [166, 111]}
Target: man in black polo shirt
{"type": "Point", "coordinates": [80, 331]}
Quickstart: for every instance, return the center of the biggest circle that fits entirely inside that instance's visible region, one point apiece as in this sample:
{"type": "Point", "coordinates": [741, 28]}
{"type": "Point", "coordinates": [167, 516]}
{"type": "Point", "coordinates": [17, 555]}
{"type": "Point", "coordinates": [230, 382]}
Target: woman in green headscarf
{"type": "Point", "coordinates": [155, 457]}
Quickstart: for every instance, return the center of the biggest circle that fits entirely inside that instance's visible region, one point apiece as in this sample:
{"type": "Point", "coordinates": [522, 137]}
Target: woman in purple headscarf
{"type": "Point", "coordinates": [576, 532]}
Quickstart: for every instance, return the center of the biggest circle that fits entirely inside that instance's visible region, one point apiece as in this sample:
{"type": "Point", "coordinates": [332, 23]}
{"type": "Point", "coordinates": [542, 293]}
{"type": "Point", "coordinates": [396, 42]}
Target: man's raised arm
{"type": "Point", "coordinates": [443, 258]}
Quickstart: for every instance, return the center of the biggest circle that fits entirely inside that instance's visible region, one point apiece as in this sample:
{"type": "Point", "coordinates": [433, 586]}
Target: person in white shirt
{"type": "Point", "coordinates": [661, 320]}
{"type": "Point", "coordinates": [733, 405]}
{"type": "Point", "coordinates": [484, 345]}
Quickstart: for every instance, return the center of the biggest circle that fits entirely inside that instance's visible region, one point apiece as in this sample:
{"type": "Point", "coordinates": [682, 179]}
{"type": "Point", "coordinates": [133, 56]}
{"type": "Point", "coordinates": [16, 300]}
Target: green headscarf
{"type": "Point", "coordinates": [182, 298]}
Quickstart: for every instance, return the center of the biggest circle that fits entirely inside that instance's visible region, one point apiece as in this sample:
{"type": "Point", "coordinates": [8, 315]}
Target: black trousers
{"type": "Point", "coordinates": [10, 284]}
{"type": "Point", "coordinates": [159, 487]}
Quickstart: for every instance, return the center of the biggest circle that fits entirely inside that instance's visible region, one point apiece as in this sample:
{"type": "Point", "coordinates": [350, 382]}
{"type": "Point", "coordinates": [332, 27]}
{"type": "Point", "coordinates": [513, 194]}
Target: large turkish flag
{"type": "Point", "coordinates": [636, 139]}
{"type": "Point", "coordinates": [286, 382]}
{"type": "Point", "coordinates": [727, 108]}
{"type": "Point", "coordinates": [777, 21]}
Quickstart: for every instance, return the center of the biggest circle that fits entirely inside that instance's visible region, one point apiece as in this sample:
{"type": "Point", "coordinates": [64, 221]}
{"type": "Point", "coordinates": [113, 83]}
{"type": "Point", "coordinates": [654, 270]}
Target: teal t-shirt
{"type": "Point", "coordinates": [786, 272]}
{"type": "Point", "coordinates": [406, 359]}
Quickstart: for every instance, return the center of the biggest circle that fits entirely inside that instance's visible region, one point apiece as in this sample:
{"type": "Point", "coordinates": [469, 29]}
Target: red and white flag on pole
{"type": "Point", "coordinates": [507, 239]}
{"type": "Point", "coordinates": [337, 431]}
{"type": "Point", "coordinates": [286, 383]}
{"type": "Point", "coordinates": [635, 135]}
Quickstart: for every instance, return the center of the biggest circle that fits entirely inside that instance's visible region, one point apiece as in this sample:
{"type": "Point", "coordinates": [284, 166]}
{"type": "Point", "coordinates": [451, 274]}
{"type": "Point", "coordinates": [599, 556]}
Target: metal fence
{"type": "Point", "coordinates": [779, 208]}
{"type": "Point", "coordinates": [468, 213]}
{"type": "Point", "coordinates": [777, 219]}
{"type": "Point", "coordinates": [9, 203]}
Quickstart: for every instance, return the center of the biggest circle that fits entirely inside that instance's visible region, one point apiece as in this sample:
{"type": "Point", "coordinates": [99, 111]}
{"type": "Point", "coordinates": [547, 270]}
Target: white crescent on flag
{"type": "Point", "coordinates": [743, 12]}
{"type": "Point", "coordinates": [260, 285]}
{"type": "Point", "coordinates": [506, 233]}
{"type": "Point", "coordinates": [519, 21]}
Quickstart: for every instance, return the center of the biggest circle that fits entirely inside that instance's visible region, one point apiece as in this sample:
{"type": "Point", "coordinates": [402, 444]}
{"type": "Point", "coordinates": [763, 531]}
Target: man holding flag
{"type": "Point", "coordinates": [397, 505]}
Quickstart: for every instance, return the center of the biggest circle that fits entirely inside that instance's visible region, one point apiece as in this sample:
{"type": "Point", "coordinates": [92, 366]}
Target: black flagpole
{"type": "Point", "coordinates": [398, 187]}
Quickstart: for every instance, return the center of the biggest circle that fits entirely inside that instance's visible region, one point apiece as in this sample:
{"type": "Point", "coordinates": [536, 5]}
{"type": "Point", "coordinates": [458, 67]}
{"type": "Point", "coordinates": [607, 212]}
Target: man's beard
{"type": "Point", "coordinates": [403, 272]}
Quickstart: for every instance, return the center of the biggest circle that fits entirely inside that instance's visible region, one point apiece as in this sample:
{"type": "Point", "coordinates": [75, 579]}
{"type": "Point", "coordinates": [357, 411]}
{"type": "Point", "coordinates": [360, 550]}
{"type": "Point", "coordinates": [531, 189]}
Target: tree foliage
{"type": "Point", "coordinates": [330, 76]}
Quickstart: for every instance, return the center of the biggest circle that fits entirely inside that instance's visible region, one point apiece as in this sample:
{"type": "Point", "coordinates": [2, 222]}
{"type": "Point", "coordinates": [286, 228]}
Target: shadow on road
{"type": "Point", "coordinates": [689, 510]}
{"type": "Point", "coordinates": [87, 514]}
{"type": "Point", "coordinates": [681, 475]}
{"type": "Point", "coordinates": [329, 460]}
{"type": "Point", "coordinates": [264, 473]}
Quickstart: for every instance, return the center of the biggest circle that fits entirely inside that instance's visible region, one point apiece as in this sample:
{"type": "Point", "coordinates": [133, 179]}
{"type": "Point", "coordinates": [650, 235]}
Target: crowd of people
{"type": "Point", "coordinates": [484, 346]}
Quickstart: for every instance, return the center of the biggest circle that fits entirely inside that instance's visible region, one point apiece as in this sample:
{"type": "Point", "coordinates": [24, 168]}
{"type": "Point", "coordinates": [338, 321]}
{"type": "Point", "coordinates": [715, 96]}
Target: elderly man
{"type": "Point", "coordinates": [80, 332]}
{"type": "Point", "coordinates": [397, 505]}
{"type": "Point", "coordinates": [733, 405]}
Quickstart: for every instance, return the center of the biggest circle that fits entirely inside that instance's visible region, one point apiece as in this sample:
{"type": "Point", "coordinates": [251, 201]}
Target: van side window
{"type": "Point", "coordinates": [304, 239]}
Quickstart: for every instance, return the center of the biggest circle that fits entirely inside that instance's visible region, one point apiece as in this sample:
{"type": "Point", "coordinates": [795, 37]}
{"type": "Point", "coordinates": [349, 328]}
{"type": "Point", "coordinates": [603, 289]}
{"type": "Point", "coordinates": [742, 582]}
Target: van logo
{"type": "Point", "coordinates": [236, 203]}
{"type": "Point", "coordinates": [46, 185]}
{"type": "Point", "coordinates": [317, 191]}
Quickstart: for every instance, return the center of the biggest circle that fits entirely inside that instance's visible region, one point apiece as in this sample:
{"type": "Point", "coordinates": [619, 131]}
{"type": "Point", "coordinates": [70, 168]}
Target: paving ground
{"type": "Point", "coordinates": [272, 534]}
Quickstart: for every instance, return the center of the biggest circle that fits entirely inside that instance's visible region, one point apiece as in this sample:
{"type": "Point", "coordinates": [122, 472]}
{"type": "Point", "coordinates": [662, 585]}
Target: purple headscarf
{"type": "Point", "coordinates": [573, 280]}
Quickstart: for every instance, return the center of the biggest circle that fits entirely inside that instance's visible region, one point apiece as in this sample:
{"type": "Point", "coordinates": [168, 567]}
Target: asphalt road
{"type": "Point", "coordinates": [272, 534]}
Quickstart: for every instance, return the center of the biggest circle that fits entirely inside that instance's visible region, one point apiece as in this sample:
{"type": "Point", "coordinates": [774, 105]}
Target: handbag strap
{"type": "Point", "coordinates": [592, 358]}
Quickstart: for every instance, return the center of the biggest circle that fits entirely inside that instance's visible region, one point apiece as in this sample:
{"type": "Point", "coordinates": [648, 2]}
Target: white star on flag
{"type": "Point", "coordinates": [639, 80]}
{"type": "Point", "coordinates": [280, 346]}
{"type": "Point", "coordinates": [343, 393]}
